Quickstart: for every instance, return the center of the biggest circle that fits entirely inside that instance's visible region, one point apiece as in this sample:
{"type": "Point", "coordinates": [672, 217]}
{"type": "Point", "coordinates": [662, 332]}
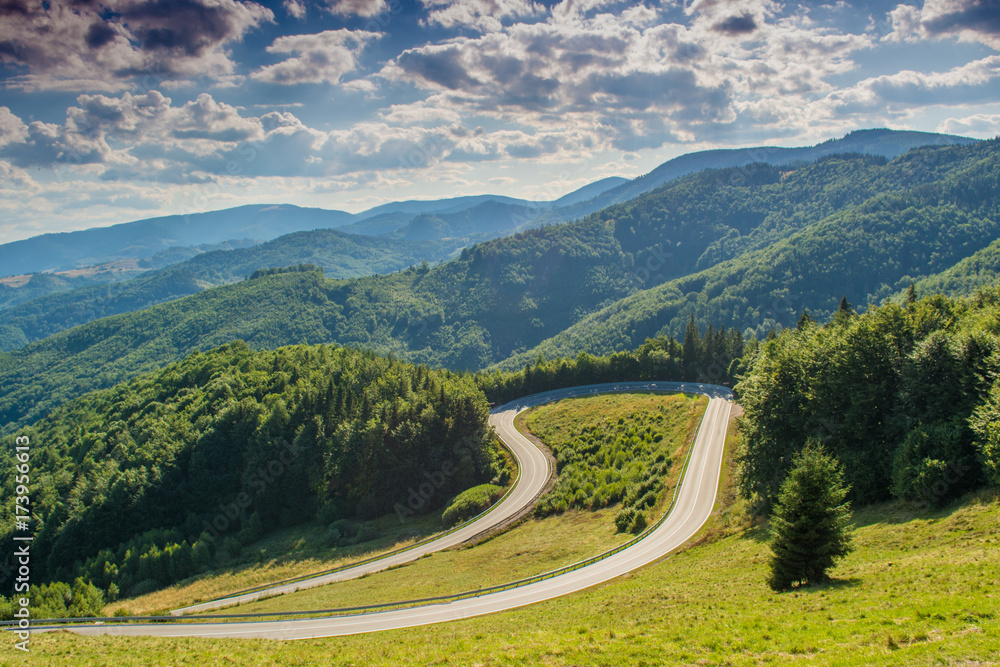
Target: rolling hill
{"type": "Point", "coordinates": [339, 255]}
{"type": "Point", "coordinates": [144, 238]}
{"type": "Point", "coordinates": [746, 247]}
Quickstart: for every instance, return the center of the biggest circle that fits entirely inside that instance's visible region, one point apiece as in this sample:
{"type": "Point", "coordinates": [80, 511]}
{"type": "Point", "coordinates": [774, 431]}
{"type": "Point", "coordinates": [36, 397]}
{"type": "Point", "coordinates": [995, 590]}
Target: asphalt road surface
{"type": "Point", "coordinates": [693, 506]}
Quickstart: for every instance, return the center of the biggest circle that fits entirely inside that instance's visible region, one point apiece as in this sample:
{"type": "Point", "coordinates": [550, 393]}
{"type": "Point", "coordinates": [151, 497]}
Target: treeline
{"type": "Point", "coordinates": [232, 443]}
{"type": "Point", "coordinates": [712, 356]}
{"type": "Point", "coordinates": [907, 397]}
{"type": "Point", "coordinates": [275, 270]}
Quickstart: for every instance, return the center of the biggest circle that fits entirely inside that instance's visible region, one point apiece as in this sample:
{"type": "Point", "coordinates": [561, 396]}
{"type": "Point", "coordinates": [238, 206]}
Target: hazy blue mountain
{"type": "Point", "coordinates": [590, 191]}
{"type": "Point", "coordinates": [379, 225]}
{"type": "Point", "coordinates": [485, 221]}
{"type": "Point", "coordinates": [493, 214]}
{"type": "Point", "coordinates": [339, 255]}
{"type": "Point", "coordinates": [145, 238]}
{"type": "Point", "coordinates": [449, 205]}
{"type": "Point", "coordinates": [474, 218]}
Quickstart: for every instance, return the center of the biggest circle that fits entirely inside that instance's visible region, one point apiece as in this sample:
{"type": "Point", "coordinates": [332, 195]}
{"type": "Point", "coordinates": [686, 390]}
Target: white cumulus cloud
{"type": "Point", "coordinates": [319, 58]}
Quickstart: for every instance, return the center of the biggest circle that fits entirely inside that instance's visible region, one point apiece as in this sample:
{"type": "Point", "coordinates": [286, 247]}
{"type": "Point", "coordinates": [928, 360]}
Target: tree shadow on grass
{"type": "Point", "coordinates": [832, 584]}
{"type": "Point", "coordinates": [761, 533]}
{"type": "Point", "coordinates": [900, 512]}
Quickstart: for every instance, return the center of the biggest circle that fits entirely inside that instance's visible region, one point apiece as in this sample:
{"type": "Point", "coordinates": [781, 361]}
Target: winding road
{"type": "Point", "coordinates": [693, 506]}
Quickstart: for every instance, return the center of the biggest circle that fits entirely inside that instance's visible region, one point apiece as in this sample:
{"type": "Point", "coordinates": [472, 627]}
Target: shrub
{"type": "Point", "coordinates": [647, 500]}
{"type": "Point", "coordinates": [333, 537]}
{"type": "Point", "coordinates": [367, 533]}
{"type": "Point", "coordinates": [231, 547]}
{"type": "Point", "coordinates": [345, 527]}
{"type": "Point", "coordinates": [469, 503]}
{"type": "Point", "coordinates": [624, 519]}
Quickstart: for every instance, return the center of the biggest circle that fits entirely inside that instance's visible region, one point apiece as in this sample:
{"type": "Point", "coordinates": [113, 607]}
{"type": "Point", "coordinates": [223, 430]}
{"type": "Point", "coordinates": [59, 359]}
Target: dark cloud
{"type": "Point", "coordinates": [189, 26]}
{"type": "Point", "coordinates": [675, 89]}
{"type": "Point", "coordinates": [99, 34]}
{"type": "Point", "coordinates": [737, 25]}
{"type": "Point", "coordinates": [516, 85]}
{"type": "Point", "coordinates": [977, 15]}
{"type": "Point", "coordinates": [14, 8]}
{"type": "Point", "coordinates": [688, 51]}
{"type": "Point", "coordinates": [440, 67]}
{"type": "Point", "coordinates": [75, 43]}
{"type": "Point", "coordinates": [529, 92]}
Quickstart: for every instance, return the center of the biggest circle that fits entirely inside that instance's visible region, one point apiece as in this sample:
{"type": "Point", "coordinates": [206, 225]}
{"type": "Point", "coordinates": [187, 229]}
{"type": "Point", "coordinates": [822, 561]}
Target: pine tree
{"type": "Point", "coordinates": [844, 312]}
{"type": "Point", "coordinates": [810, 523]}
{"type": "Point", "coordinates": [911, 293]}
{"type": "Point", "coordinates": [692, 350]}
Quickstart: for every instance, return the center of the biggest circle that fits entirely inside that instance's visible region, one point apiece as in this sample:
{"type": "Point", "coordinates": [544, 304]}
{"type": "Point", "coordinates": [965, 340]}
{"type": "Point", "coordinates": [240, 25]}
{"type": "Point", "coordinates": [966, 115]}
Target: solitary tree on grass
{"type": "Point", "coordinates": [810, 522]}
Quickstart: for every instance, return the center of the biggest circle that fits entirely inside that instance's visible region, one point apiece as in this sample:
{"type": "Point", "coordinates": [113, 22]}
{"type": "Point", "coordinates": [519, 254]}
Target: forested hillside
{"type": "Point", "coordinates": [339, 255]}
{"type": "Point", "coordinates": [866, 252]}
{"type": "Point", "coordinates": [129, 479]}
{"type": "Point", "coordinates": [981, 269]}
{"type": "Point", "coordinates": [747, 248]}
{"type": "Point", "coordinates": [906, 397]}
{"type": "Point", "coordinates": [876, 142]}
{"type": "Point", "coordinates": [266, 312]}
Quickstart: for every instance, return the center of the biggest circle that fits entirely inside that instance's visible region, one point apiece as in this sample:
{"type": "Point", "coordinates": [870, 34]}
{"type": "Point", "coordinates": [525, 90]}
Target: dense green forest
{"type": "Point", "coordinates": [715, 356]}
{"type": "Point", "coordinates": [43, 284]}
{"type": "Point", "coordinates": [907, 397]}
{"type": "Point", "coordinates": [339, 255]}
{"type": "Point", "coordinates": [145, 483]}
{"type": "Point", "coordinates": [103, 353]}
{"type": "Point", "coordinates": [867, 252]}
{"type": "Point", "coordinates": [775, 241]}
{"type": "Point", "coordinates": [981, 269]}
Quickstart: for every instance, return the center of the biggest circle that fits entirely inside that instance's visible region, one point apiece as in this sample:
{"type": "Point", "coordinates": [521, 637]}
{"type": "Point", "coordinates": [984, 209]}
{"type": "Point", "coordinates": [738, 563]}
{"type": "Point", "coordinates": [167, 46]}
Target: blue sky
{"type": "Point", "coordinates": [116, 110]}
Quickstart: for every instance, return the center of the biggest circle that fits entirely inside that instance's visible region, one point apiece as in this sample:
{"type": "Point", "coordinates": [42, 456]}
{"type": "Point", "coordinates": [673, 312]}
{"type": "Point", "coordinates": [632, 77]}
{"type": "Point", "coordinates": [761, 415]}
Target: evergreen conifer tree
{"type": "Point", "coordinates": [810, 523]}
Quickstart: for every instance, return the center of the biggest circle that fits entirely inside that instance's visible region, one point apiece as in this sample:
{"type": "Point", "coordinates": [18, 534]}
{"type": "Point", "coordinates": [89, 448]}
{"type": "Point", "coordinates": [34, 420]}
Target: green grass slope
{"type": "Point", "coordinates": [919, 588]}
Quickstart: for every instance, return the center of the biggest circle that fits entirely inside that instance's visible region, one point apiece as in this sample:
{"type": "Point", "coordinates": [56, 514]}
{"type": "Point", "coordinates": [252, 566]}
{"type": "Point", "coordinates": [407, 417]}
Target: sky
{"type": "Point", "coordinates": [118, 110]}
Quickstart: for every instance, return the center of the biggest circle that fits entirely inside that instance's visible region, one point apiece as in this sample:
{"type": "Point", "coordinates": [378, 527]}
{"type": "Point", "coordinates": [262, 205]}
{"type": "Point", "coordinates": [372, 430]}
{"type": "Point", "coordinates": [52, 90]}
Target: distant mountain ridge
{"type": "Point", "coordinates": [506, 215]}
{"type": "Point", "coordinates": [145, 238]}
{"type": "Point", "coordinates": [884, 142]}
{"type": "Point", "coordinates": [339, 255]}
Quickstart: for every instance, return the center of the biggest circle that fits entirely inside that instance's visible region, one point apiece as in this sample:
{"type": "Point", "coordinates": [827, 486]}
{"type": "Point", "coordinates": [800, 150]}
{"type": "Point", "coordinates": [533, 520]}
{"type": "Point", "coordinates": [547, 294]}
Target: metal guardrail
{"type": "Point", "coordinates": [403, 604]}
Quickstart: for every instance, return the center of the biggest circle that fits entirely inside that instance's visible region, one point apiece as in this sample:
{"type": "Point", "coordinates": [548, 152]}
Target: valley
{"type": "Point", "coordinates": [362, 354]}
